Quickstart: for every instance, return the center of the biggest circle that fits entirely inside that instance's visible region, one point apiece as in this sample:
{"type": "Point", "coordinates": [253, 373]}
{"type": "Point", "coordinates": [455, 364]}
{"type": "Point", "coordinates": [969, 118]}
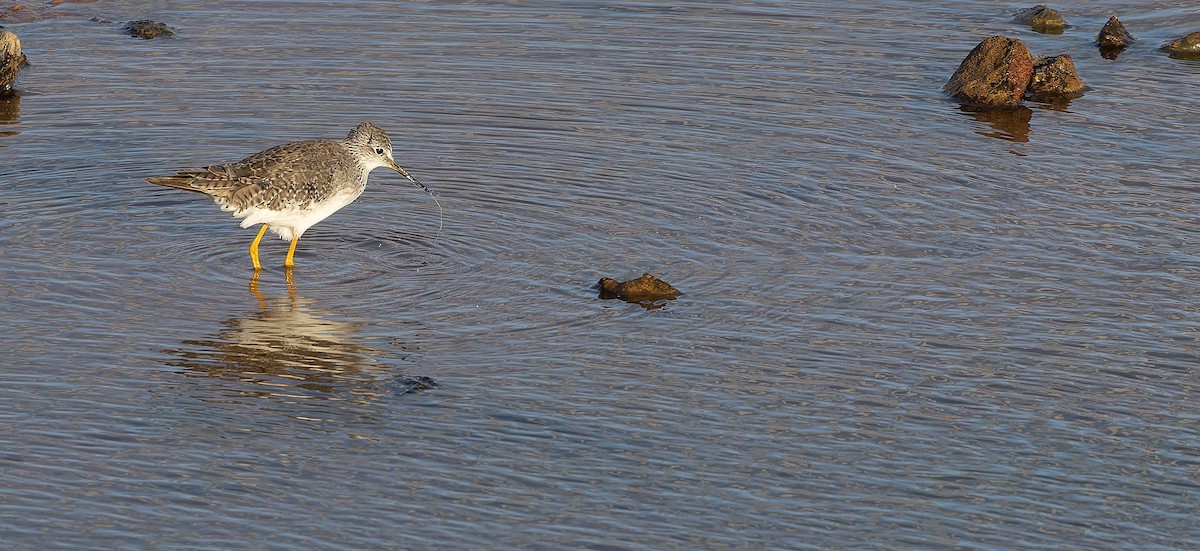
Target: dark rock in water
{"type": "Point", "coordinates": [642, 289]}
{"type": "Point", "coordinates": [1042, 19]}
{"type": "Point", "coordinates": [1114, 35]}
{"type": "Point", "coordinates": [11, 60]}
{"type": "Point", "coordinates": [148, 29]}
{"type": "Point", "coordinates": [409, 385]}
{"type": "Point", "coordinates": [1187, 47]}
{"type": "Point", "coordinates": [995, 73]}
{"type": "Point", "coordinates": [1113, 38]}
{"type": "Point", "coordinates": [1055, 79]}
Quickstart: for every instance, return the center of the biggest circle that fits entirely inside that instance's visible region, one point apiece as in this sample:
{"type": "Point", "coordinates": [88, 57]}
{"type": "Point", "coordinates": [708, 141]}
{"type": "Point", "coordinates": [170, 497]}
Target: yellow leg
{"type": "Point", "coordinates": [287, 262]}
{"type": "Point", "coordinates": [254, 248]}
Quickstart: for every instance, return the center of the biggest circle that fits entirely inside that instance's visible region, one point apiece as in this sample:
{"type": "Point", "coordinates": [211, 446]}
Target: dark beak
{"type": "Point", "coordinates": [392, 165]}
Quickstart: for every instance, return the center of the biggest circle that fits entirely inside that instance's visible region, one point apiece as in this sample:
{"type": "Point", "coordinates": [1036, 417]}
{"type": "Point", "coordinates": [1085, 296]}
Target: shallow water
{"type": "Point", "coordinates": [904, 324]}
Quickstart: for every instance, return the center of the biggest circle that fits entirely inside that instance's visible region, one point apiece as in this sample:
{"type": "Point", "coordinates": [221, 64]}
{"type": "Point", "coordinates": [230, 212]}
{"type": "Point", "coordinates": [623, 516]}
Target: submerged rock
{"type": "Point", "coordinates": [1042, 19]}
{"type": "Point", "coordinates": [11, 60]}
{"type": "Point", "coordinates": [410, 385]}
{"type": "Point", "coordinates": [1055, 79]}
{"type": "Point", "coordinates": [148, 29]}
{"type": "Point", "coordinates": [1186, 46]}
{"type": "Point", "coordinates": [995, 73]}
{"type": "Point", "coordinates": [642, 289]}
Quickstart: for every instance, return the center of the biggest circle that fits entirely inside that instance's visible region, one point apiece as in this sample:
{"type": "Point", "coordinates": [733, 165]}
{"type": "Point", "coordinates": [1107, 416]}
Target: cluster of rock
{"type": "Point", "coordinates": [1001, 72]}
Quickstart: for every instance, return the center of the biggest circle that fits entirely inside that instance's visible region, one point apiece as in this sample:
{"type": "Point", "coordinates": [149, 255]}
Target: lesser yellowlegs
{"type": "Point", "coordinates": [291, 187]}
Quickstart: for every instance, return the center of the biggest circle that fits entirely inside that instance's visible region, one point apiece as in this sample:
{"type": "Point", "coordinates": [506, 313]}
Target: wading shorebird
{"type": "Point", "coordinates": [291, 187]}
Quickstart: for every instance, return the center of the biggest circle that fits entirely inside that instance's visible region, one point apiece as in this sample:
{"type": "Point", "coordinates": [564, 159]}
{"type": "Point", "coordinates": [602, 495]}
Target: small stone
{"type": "Point", "coordinates": [1055, 79]}
{"type": "Point", "coordinates": [11, 60]}
{"type": "Point", "coordinates": [1186, 45]}
{"type": "Point", "coordinates": [1114, 35]}
{"type": "Point", "coordinates": [1042, 18]}
{"type": "Point", "coordinates": [1113, 38]}
{"type": "Point", "coordinates": [642, 289]}
{"type": "Point", "coordinates": [148, 29]}
{"type": "Point", "coordinates": [995, 73]}
{"type": "Point", "coordinates": [411, 385]}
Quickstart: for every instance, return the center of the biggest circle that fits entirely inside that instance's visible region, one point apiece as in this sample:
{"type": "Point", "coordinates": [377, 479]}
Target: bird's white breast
{"type": "Point", "coordinates": [292, 222]}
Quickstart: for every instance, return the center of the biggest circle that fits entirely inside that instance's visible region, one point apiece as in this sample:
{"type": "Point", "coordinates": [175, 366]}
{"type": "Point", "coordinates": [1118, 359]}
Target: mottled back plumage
{"type": "Point", "coordinates": [292, 186]}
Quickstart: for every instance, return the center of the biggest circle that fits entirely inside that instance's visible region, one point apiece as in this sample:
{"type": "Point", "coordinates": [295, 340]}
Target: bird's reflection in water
{"type": "Point", "coordinates": [289, 350]}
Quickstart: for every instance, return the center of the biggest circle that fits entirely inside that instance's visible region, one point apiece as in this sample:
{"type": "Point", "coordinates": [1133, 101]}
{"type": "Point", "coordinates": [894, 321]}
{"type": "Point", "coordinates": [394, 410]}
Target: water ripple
{"type": "Point", "coordinates": [976, 328]}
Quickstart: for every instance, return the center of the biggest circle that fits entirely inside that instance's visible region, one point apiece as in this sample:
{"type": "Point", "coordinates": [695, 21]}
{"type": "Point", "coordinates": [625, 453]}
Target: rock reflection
{"type": "Point", "coordinates": [1184, 56]}
{"type": "Point", "coordinates": [288, 349]}
{"type": "Point", "coordinates": [1009, 123]}
{"type": "Point", "coordinates": [10, 112]}
{"type": "Point", "coordinates": [1111, 52]}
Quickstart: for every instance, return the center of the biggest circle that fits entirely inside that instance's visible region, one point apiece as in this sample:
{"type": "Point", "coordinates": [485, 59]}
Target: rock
{"type": "Point", "coordinates": [1055, 79]}
{"type": "Point", "coordinates": [645, 288]}
{"type": "Point", "coordinates": [1114, 35]}
{"type": "Point", "coordinates": [1113, 38]}
{"type": "Point", "coordinates": [148, 29]}
{"type": "Point", "coordinates": [11, 61]}
{"type": "Point", "coordinates": [1042, 19]}
{"type": "Point", "coordinates": [410, 385]}
{"type": "Point", "coordinates": [1187, 46]}
{"type": "Point", "coordinates": [995, 73]}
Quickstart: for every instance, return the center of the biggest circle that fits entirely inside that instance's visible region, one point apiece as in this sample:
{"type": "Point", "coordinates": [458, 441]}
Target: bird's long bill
{"type": "Point", "coordinates": [405, 173]}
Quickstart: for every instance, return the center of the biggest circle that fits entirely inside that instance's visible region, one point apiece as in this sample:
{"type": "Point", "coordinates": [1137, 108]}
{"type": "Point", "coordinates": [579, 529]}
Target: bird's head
{"type": "Point", "coordinates": [375, 148]}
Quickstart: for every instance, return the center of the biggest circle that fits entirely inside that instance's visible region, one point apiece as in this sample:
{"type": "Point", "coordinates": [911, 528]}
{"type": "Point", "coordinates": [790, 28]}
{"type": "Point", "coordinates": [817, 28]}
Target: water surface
{"type": "Point", "coordinates": [906, 324]}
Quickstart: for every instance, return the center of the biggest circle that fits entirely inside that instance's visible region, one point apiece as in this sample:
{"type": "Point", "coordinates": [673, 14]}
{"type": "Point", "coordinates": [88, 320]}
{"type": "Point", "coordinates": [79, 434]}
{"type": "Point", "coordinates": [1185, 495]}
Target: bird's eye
{"type": "Point", "coordinates": [379, 151]}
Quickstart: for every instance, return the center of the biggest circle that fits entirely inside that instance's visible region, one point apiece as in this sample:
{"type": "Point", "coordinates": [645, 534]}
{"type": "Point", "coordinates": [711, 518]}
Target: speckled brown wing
{"type": "Point", "coordinates": [281, 177]}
